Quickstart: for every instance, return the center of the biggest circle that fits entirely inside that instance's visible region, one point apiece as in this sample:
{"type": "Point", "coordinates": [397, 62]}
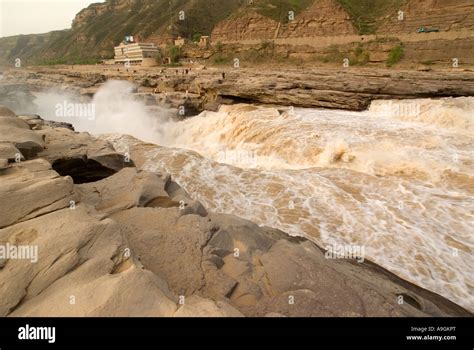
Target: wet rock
{"type": "Point", "coordinates": [240, 236]}
{"type": "Point", "coordinates": [175, 191]}
{"type": "Point", "coordinates": [192, 207]}
{"type": "Point", "coordinates": [186, 204]}
{"type": "Point", "coordinates": [269, 267]}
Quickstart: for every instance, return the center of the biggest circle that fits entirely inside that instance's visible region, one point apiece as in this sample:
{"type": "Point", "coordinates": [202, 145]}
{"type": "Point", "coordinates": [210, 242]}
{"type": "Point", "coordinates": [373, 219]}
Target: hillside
{"type": "Point", "coordinates": [99, 27]}
{"type": "Point", "coordinates": [24, 46]}
{"type": "Point", "coordinates": [317, 18]}
{"type": "Point", "coordinates": [364, 31]}
{"type": "Point", "coordinates": [368, 15]}
{"type": "Point", "coordinates": [447, 15]}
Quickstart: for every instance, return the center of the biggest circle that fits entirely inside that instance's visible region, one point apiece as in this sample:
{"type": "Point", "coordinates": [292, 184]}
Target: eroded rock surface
{"type": "Point", "coordinates": [81, 156]}
{"type": "Point", "coordinates": [340, 88]}
{"type": "Point", "coordinates": [134, 243]}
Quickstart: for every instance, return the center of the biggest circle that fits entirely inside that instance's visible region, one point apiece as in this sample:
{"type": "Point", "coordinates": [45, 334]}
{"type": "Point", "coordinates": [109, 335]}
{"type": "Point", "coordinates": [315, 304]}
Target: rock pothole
{"type": "Point", "coordinates": [82, 170]}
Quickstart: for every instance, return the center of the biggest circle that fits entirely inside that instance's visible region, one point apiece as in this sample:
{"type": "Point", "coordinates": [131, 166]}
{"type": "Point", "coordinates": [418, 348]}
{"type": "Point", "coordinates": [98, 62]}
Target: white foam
{"type": "Point", "coordinates": [390, 185]}
{"type": "Point", "coordinates": [401, 187]}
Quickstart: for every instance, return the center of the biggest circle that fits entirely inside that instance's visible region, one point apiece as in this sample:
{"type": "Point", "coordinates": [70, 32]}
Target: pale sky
{"type": "Point", "coordinates": [38, 16]}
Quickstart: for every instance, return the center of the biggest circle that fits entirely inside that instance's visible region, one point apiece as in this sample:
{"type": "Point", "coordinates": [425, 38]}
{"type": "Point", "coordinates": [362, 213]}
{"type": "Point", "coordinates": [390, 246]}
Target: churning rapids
{"type": "Point", "coordinates": [397, 179]}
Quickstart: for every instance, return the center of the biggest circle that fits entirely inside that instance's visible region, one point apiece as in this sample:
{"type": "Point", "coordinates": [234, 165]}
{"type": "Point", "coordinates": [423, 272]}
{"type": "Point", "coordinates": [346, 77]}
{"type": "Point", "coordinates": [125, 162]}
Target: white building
{"type": "Point", "coordinates": [136, 53]}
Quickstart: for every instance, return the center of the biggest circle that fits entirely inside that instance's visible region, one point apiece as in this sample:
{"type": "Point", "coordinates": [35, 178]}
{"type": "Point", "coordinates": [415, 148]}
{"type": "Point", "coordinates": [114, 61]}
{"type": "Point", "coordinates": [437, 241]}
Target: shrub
{"type": "Point", "coordinates": [266, 45]}
{"type": "Point", "coordinates": [395, 55]}
{"type": "Point", "coordinates": [360, 56]}
{"type": "Point", "coordinates": [219, 46]}
{"type": "Point", "coordinates": [197, 37]}
{"type": "Point", "coordinates": [174, 53]}
{"type": "Point", "coordinates": [221, 58]}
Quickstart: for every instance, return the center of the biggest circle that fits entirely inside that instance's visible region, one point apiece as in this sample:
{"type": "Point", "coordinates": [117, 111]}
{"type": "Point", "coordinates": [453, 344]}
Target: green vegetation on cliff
{"type": "Point", "coordinates": [98, 30]}
{"type": "Point", "coordinates": [367, 14]}
{"type": "Point", "coordinates": [279, 9]}
{"type": "Point", "coordinates": [100, 27]}
{"type": "Point", "coordinates": [395, 55]}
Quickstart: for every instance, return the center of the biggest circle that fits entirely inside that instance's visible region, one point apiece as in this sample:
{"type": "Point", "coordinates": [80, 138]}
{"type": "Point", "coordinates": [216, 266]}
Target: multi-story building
{"type": "Point", "coordinates": [136, 53]}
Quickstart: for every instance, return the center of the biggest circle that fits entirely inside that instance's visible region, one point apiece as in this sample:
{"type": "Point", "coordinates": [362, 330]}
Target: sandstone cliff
{"type": "Point", "coordinates": [446, 15]}
{"type": "Point", "coordinates": [330, 30]}
{"type": "Point", "coordinates": [322, 18]}
{"type": "Point", "coordinates": [251, 26]}
{"type": "Point", "coordinates": [318, 29]}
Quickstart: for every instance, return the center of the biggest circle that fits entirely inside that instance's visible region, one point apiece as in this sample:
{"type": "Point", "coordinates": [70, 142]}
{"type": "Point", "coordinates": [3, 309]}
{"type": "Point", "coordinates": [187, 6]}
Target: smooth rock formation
{"type": "Point", "coordinates": [80, 156]}
{"type": "Point", "coordinates": [30, 189]}
{"type": "Point", "coordinates": [9, 152]}
{"type": "Point", "coordinates": [16, 132]}
{"type": "Point", "coordinates": [196, 306]}
{"type": "Point", "coordinates": [134, 243]}
{"type": "Point", "coordinates": [126, 189]}
{"type": "Point", "coordinates": [83, 269]}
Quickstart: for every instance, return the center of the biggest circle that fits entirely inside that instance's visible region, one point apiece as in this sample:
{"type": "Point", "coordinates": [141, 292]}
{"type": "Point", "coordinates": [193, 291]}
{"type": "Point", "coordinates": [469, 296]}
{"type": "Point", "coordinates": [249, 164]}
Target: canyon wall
{"type": "Point", "coordinates": [326, 30]}
{"type": "Point", "coordinates": [323, 18]}
{"type": "Point", "coordinates": [319, 27]}
{"type": "Point", "coordinates": [446, 15]}
{"type": "Point", "coordinates": [251, 26]}
{"type": "Point", "coordinates": [98, 9]}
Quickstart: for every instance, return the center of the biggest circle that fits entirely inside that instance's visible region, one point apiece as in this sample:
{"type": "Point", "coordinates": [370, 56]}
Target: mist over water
{"type": "Point", "coordinates": [115, 110]}
{"type": "Point", "coordinates": [397, 179]}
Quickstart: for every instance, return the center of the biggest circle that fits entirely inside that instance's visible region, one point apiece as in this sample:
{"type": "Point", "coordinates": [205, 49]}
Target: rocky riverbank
{"type": "Point", "coordinates": [115, 240]}
{"type": "Point", "coordinates": [205, 89]}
